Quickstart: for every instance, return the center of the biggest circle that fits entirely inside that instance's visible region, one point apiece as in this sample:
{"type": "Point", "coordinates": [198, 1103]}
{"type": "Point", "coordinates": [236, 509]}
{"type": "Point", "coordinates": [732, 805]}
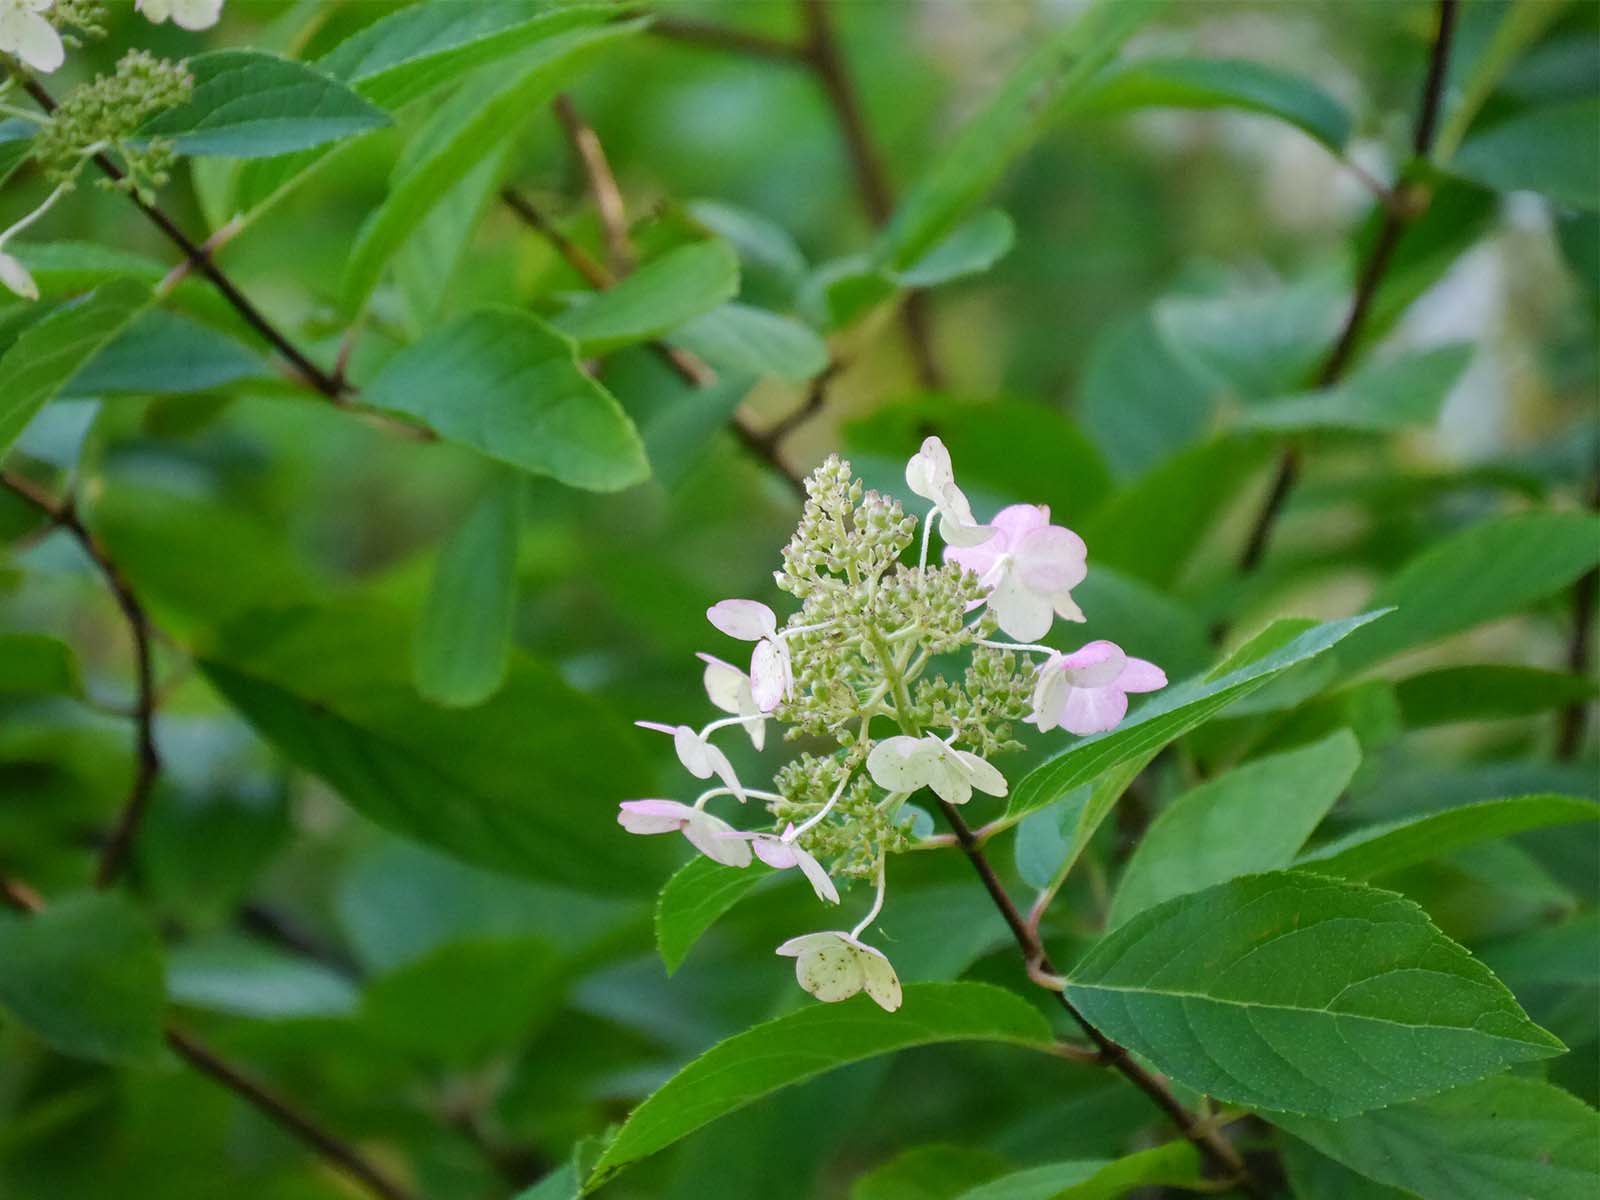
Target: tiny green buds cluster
{"type": "Point", "coordinates": [103, 117]}
{"type": "Point", "coordinates": [866, 663]}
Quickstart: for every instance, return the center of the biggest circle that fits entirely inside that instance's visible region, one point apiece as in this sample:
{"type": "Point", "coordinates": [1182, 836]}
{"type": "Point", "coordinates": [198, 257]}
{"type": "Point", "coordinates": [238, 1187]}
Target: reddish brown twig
{"type": "Point", "coordinates": [200, 260]}
{"type": "Point", "coordinates": [1398, 216]}
{"type": "Point", "coordinates": [687, 366]}
{"type": "Point", "coordinates": [602, 184]}
{"type": "Point", "coordinates": [822, 55]}
{"type": "Point", "coordinates": [147, 762]}
{"type": "Point", "coordinates": [720, 37]}
{"type": "Point", "coordinates": [1215, 1148]}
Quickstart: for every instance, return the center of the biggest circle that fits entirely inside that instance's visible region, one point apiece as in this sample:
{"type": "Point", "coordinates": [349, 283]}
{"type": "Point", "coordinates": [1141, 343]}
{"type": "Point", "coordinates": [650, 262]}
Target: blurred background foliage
{"type": "Point", "coordinates": [1172, 270]}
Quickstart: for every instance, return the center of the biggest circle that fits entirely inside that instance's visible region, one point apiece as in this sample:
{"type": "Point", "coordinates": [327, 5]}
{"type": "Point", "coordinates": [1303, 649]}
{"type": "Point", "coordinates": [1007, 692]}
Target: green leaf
{"type": "Point", "coordinates": [496, 991]}
{"type": "Point", "coordinates": [468, 130]}
{"type": "Point", "coordinates": [768, 255]}
{"type": "Point", "coordinates": [677, 421]}
{"type": "Point", "coordinates": [929, 1173]}
{"type": "Point", "coordinates": [654, 300]}
{"type": "Point", "coordinates": [1152, 527]}
{"type": "Point", "coordinates": [16, 143]}
{"type": "Point", "coordinates": [1453, 694]}
{"type": "Point", "coordinates": [1043, 87]}
{"type": "Point", "coordinates": [247, 979]}
{"type": "Point", "coordinates": [1382, 849]}
{"type": "Point", "coordinates": [1140, 398]}
{"type": "Point", "coordinates": [85, 975]}
{"type": "Point", "coordinates": [1252, 819]}
{"type": "Point", "coordinates": [524, 783]}
{"type": "Point", "coordinates": [1176, 1164]}
{"type": "Point", "coordinates": [35, 664]}
{"type": "Point", "coordinates": [1551, 149]}
{"type": "Point", "coordinates": [506, 384]}
{"type": "Point", "coordinates": [970, 249]}
{"type": "Point", "coordinates": [1314, 1176]}
{"type": "Point", "coordinates": [1473, 77]}
{"type": "Point", "coordinates": [247, 104]}
{"type": "Point", "coordinates": [1257, 342]}
{"type": "Point", "coordinates": [1379, 398]}
{"type": "Point", "coordinates": [692, 901]}
{"type": "Point", "coordinates": [165, 353]}
{"type": "Point", "coordinates": [1167, 716]}
{"type": "Point", "coordinates": [753, 341]}
{"type": "Point", "coordinates": [49, 353]}
{"type": "Point", "coordinates": [1223, 83]}
{"type": "Point", "coordinates": [1302, 994]}
{"type": "Point", "coordinates": [1505, 1138]}
{"type": "Point", "coordinates": [1491, 569]}
{"type": "Point", "coordinates": [806, 1043]}
{"type": "Point", "coordinates": [462, 647]}
{"type": "Point", "coordinates": [419, 49]}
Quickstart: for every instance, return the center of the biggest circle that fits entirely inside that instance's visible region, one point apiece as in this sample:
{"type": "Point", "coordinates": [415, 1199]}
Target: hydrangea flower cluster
{"type": "Point", "coordinates": [857, 665]}
{"type": "Point", "coordinates": [100, 117]}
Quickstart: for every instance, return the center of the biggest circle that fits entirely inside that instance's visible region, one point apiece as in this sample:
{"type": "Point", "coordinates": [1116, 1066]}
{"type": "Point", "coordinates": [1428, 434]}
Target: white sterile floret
{"type": "Point", "coordinates": [25, 33]}
{"type": "Point", "coordinates": [930, 475]}
{"type": "Point", "coordinates": [835, 965]}
{"type": "Point", "coordinates": [729, 689]}
{"type": "Point", "coordinates": [908, 764]}
{"type": "Point", "coordinates": [14, 277]}
{"type": "Point", "coordinates": [698, 756]}
{"type": "Point", "coordinates": [192, 15]}
{"type": "Point", "coordinates": [771, 672]}
{"type": "Point", "coordinates": [705, 832]}
{"type": "Point", "coordinates": [783, 853]}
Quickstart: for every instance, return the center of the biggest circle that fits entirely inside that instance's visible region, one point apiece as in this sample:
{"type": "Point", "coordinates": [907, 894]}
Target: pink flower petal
{"type": "Point", "coordinates": [1094, 665]}
{"type": "Point", "coordinates": [1141, 676]}
{"type": "Point", "coordinates": [1051, 559]}
{"type": "Point", "coordinates": [1093, 710]}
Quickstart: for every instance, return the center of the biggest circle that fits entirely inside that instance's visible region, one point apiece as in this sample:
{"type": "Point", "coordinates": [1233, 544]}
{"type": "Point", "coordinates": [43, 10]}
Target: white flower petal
{"type": "Point", "coordinates": [747, 620]}
{"type": "Point", "coordinates": [770, 677]}
{"type": "Point", "coordinates": [878, 976]}
{"type": "Point", "coordinates": [725, 684]}
{"type": "Point", "coordinates": [703, 831]}
{"type": "Point", "coordinates": [195, 15]}
{"type": "Point", "coordinates": [831, 971]}
{"type": "Point", "coordinates": [14, 278]}
{"type": "Point", "coordinates": [31, 38]}
{"type": "Point", "coordinates": [1022, 614]}
{"type": "Point", "coordinates": [820, 881]}
{"type": "Point", "coordinates": [901, 764]}
{"type": "Point", "coordinates": [981, 773]}
{"type": "Point", "coordinates": [929, 471]}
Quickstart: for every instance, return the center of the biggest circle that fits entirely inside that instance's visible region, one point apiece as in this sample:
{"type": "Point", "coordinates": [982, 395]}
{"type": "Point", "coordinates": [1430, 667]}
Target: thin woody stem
{"type": "Point", "coordinates": [687, 366]}
{"type": "Point", "coordinates": [63, 514]}
{"type": "Point", "coordinates": [602, 183]}
{"type": "Point", "coordinates": [1215, 1148]}
{"type": "Point", "coordinates": [1399, 212]}
{"type": "Point", "coordinates": [201, 260]}
{"type": "Point", "coordinates": [823, 56]}
{"type": "Point", "coordinates": [340, 1153]}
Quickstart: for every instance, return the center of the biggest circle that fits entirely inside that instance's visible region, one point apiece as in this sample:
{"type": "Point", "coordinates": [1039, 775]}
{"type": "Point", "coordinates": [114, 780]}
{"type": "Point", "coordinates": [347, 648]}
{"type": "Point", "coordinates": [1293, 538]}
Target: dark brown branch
{"type": "Point", "coordinates": [822, 55]}
{"type": "Point", "coordinates": [1408, 205]}
{"type": "Point", "coordinates": [687, 366]}
{"type": "Point", "coordinates": [340, 1153]}
{"type": "Point", "coordinates": [328, 1146]}
{"type": "Point", "coordinates": [200, 259]}
{"type": "Point", "coordinates": [602, 184]}
{"type": "Point", "coordinates": [147, 762]}
{"type": "Point", "coordinates": [1212, 1145]}
{"type": "Point", "coordinates": [736, 41]}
